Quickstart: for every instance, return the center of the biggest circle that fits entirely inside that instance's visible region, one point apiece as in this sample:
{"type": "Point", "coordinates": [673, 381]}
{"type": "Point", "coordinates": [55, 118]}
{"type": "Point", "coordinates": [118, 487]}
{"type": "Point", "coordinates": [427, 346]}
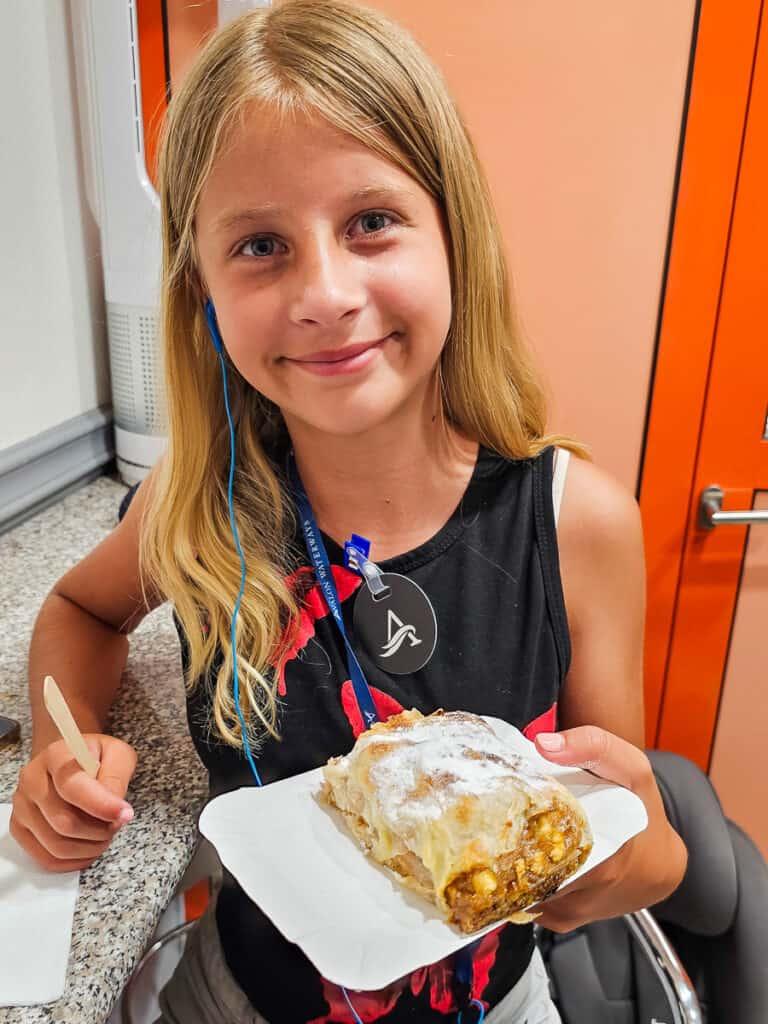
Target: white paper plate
{"type": "Point", "coordinates": [359, 927]}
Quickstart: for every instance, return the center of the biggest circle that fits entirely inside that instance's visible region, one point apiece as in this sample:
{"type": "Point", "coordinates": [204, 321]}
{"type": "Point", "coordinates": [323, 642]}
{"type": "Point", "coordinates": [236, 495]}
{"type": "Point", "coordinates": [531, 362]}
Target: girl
{"type": "Point", "coordinates": [333, 277]}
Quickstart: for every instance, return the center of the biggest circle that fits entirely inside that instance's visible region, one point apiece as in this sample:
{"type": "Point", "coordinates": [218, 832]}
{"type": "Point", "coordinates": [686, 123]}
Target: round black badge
{"type": "Point", "coordinates": [399, 630]}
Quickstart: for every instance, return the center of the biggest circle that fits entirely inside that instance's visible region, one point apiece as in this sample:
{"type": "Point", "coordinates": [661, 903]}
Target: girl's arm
{"type": "Point", "coordinates": [62, 817]}
{"type": "Point", "coordinates": [601, 706]}
{"type": "Point", "coordinates": [602, 564]}
{"type": "Point", "coordinates": [80, 632]}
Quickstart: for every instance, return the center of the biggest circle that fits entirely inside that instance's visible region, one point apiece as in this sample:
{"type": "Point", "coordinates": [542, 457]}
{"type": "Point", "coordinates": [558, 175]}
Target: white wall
{"type": "Point", "coordinates": [53, 361]}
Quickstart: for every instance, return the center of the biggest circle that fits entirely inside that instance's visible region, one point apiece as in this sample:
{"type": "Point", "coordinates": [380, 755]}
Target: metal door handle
{"type": "Point", "coordinates": [710, 514]}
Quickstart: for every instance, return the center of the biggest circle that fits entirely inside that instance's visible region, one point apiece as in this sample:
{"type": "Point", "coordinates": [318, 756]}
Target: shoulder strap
{"type": "Point", "coordinates": [546, 497]}
{"type": "Point", "coordinates": [562, 455]}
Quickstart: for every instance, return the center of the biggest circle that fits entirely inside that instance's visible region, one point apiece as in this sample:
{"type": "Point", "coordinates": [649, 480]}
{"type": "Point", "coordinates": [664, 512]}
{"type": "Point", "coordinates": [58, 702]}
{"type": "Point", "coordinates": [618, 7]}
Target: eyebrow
{"type": "Point", "coordinates": [232, 218]}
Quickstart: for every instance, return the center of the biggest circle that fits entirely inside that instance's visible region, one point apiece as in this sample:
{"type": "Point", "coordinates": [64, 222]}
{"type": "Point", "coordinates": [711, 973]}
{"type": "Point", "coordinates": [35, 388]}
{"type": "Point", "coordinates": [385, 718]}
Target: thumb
{"type": "Point", "coordinates": [94, 745]}
{"type": "Point", "coordinates": [118, 763]}
{"type": "Point", "coordinates": [596, 750]}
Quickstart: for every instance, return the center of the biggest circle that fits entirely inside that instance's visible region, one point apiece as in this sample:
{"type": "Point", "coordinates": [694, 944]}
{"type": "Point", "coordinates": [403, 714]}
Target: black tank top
{"type": "Point", "coordinates": [502, 649]}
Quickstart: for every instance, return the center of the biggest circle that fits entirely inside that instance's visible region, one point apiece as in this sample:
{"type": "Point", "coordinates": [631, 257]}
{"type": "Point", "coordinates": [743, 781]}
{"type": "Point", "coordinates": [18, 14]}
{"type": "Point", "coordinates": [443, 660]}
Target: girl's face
{"type": "Point", "coordinates": [328, 268]}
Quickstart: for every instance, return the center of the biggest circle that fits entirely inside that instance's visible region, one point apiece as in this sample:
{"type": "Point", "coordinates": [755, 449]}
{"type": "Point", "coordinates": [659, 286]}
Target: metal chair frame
{"type": "Point", "coordinates": [126, 1015]}
{"type": "Point", "coordinates": [666, 963]}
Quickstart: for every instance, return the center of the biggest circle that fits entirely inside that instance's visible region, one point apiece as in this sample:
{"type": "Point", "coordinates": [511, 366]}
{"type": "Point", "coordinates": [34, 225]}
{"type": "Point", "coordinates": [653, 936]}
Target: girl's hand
{"type": "Point", "coordinates": [647, 868]}
{"type": "Point", "coordinates": [63, 818]}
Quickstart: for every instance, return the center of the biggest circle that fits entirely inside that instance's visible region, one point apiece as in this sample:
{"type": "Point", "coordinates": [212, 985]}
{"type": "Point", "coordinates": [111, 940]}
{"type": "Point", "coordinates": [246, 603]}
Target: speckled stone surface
{"type": "Point", "coordinates": [123, 893]}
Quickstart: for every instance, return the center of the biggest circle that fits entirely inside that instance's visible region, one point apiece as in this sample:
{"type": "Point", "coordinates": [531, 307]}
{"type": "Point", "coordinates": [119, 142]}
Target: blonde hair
{"type": "Point", "coordinates": [365, 75]}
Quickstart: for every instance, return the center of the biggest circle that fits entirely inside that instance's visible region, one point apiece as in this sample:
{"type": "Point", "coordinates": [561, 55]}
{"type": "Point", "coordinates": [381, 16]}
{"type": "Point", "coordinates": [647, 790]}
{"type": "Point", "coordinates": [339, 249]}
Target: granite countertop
{"type": "Point", "coordinates": [124, 892]}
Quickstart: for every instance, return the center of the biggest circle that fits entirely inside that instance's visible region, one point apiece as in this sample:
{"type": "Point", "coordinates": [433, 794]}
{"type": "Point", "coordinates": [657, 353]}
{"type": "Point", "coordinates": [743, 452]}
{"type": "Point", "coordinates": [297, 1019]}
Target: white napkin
{"type": "Point", "coordinates": [36, 912]}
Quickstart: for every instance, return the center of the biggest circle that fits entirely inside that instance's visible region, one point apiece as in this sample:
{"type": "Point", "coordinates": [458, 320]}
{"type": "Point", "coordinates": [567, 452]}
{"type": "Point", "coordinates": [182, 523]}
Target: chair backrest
{"type": "Point", "coordinates": [706, 901]}
{"type": "Point", "coordinates": [599, 973]}
{"type": "Point", "coordinates": [718, 917]}
{"type": "Point", "coordinates": [737, 965]}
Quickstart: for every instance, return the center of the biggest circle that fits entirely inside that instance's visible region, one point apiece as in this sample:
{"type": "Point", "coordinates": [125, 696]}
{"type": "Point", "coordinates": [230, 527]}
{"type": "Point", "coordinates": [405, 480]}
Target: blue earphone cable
{"type": "Point", "coordinates": [349, 1004]}
{"type": "Point", "coordinates": [236, 609]}
{"type": "Point", "coordinates": [481, 1018]}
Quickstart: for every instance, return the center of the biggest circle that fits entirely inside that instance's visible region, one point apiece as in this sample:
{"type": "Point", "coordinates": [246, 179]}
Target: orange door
{"type": "Point", "coordinates": [689, 662]}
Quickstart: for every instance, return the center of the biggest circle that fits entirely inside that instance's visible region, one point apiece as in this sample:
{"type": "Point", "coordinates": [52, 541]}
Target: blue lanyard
{"type": "Point", "coordinates": [322, 567]}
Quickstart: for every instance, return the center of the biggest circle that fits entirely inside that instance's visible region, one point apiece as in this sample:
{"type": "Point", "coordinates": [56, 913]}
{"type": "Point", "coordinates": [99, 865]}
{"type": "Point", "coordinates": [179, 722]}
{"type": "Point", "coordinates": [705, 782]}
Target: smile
{"type": "Point", "coordinates": [340, 361]}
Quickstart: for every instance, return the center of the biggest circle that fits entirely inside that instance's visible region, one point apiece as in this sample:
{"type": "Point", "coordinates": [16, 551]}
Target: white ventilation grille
{"type": "Point", "coordinates": [121, 368]}
{"type": "Point", "coordinates": [151, 374]}
{"type": "Point", "coordinates": [135, 367]}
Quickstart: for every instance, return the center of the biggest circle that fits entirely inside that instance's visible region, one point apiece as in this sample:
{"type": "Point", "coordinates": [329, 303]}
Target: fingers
{"type": "Point", "coordinates": [63, 818]}
{"type": "Point", "coordinates": [60, 847]}
{"type": "Point", "coordinates": [72, 823]}
{"type": "Point", "coordinates": [30, 845]}
{"type": "Point", "coordinates": [596, 750]}
{"type": "Point", "coordinates": [559, 919]}
{"type": "Point", "coordinates": [101, 797]}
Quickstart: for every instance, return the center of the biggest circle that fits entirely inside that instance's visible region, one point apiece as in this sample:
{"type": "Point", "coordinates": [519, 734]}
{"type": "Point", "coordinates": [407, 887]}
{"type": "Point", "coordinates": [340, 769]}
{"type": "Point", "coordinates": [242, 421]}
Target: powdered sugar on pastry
{"type": "Point", "coordinates": [434, 761]}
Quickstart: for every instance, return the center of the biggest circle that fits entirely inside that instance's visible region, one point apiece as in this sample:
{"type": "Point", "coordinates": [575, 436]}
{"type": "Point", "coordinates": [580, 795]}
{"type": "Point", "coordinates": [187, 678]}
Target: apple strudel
{"type": "Point", "coordinates": [458, 816]}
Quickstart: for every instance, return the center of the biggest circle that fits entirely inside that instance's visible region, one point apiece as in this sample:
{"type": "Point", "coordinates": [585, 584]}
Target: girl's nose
{"type": "Point", "coordinates": [327, 283]}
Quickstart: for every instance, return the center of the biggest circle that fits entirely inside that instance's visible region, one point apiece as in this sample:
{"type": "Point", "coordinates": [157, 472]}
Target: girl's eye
{"type": "Point", "coordinates": [374, 216]}
{"type": "Point", "coordinates": [263, 246]}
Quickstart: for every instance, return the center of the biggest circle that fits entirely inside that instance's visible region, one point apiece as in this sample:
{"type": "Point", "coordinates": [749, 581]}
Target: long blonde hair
{"type": "Point", "coordinates": [365, 75]}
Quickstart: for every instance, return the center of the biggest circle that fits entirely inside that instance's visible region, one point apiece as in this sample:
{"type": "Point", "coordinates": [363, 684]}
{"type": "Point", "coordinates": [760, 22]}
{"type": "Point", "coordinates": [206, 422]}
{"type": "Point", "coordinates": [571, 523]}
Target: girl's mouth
{"type": "Point", "coordinates": [332, 362]}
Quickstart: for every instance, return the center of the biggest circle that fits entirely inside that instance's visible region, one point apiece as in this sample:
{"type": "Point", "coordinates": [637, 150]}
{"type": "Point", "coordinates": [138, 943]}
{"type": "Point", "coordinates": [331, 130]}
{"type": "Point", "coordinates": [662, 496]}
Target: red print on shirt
{"type": "Point", "coordinates": [384, 704]}
{"type": "Point", "coordinates": [544, 723]}
{"type": "Point", "coordinates": [372, 1006]}
{"type": "Point", "coordinates": [313, 607]}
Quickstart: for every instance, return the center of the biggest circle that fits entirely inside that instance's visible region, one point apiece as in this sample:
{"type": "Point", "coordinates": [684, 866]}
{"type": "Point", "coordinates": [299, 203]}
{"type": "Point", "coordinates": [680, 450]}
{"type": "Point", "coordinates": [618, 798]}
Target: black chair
{"type": "Point", "coordinates": [700, 956]}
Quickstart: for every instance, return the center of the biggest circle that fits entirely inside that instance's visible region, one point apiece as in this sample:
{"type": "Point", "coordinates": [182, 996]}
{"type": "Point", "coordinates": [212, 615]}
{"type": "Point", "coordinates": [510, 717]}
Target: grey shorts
{"type": "Point", "coordinates": [203, 991]}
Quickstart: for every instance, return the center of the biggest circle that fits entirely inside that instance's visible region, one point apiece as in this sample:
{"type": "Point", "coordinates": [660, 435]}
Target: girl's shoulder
{"type": "Point", "coordinates": [599, 516]}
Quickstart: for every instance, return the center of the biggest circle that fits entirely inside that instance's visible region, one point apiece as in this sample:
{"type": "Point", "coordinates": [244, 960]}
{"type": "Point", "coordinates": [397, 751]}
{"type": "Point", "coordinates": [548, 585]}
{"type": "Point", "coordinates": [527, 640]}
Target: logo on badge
{"type": "Point", "coordinates": [397, 637]}
{"type": "Point", "coordinates": [398, 631]}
